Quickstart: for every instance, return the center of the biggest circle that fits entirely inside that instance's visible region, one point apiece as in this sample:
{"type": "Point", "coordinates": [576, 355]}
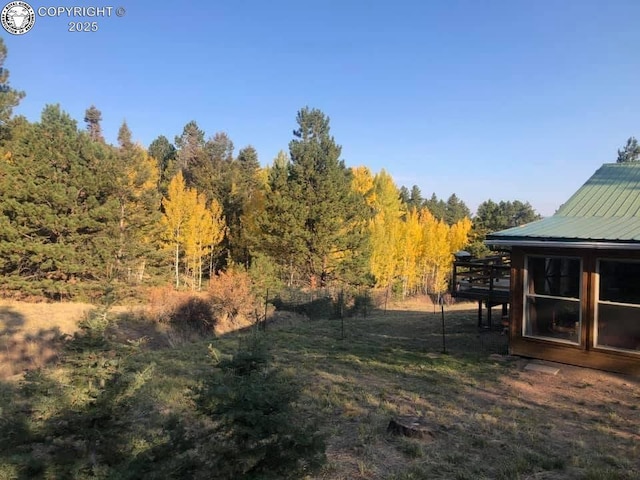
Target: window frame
{"type": "Point", "coordinates": [579, 300]}
{"type": "Point", "coordinates": [596, 307]}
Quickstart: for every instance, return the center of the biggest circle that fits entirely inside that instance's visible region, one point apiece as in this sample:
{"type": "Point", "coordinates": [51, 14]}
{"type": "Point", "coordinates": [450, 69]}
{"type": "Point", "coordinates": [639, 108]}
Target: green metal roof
{"type": "Point", "coordinates": [605, 209]}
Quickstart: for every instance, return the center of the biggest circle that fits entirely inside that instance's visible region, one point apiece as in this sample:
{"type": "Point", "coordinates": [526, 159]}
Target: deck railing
{"type": "Point", "coordinates": [482, 278]}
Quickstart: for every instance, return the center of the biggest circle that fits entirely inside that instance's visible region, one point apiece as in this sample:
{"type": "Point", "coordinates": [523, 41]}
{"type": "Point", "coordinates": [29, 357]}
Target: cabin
{"type": "Point", "coordinates": [575, 276]}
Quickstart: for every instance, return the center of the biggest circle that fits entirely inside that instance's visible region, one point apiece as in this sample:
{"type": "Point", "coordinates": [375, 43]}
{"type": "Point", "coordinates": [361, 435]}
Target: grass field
{"type": "Point", "coordinates": [489, 418]}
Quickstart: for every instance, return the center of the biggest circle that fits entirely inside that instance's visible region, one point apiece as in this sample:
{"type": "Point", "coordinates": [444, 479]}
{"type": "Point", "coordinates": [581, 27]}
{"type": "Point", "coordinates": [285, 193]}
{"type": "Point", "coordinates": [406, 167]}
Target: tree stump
{"type": "Point", "coordinates": [414, 427]}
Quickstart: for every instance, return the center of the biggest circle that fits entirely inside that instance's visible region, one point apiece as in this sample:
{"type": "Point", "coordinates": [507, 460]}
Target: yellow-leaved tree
{"type": "Point", "coordinates": [440, 241]}
{"type": "Point", "coordinates": [176, 214]}
{"type": "Point", "coordinates": [134, 181]}
{"type": "Point", "coordinates": [362, 183]}
{"type": "Point", "coordinates": [205, 229]}
{"type": "Point", "coordinates": [386, 229]}
{"type": "Point", "coordinates": [191, 226]}
{"type": "Point", "coordinates": [436, 257]}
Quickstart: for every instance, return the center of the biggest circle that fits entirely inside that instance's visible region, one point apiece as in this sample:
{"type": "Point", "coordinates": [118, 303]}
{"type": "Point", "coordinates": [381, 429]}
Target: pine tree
{"type": "Point", "coordinates": [190, 147]}
{"type": "Point", "coordinates": [209, 170]}
{"type": "Point", "coordinates": [436, 206]}
{"type": "Point", "coordinates": [455, 210]}
{"type": "Point", "coordinates": [630, 152]}
{"type": "Point", "coordinates": [57, 208]}
{"type": "Point", "coordinates": [164, 154]}
{"type": "Point", "coordinates": [9, 97]}
{"type": "Point", "coordinates": [92, 118]}
{"type": "Point", "coordinates": [320, 184]}
{"type": "Point", "coordinates": [405, 195]}
{"type": "Point", "coordinates": [277, 226]}
{"type": "Point", "coordinates": [415, 198]}
{"type": "Point", "coordinates": [246, 183]}
{"type": "Point", "coordinates": [124, 136]}
{"type": "Point", "coordinates": [312, 219]}
{"type": "Point", "coordinates": [491, 216]}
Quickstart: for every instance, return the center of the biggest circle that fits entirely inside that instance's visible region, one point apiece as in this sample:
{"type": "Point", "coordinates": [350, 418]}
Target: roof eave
{"type": "Point", "coordinates": [557, 243]}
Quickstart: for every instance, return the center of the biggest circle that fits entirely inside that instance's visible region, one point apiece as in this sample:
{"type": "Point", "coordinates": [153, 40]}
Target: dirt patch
{"type": "Point", "coordinates": [578, 397]}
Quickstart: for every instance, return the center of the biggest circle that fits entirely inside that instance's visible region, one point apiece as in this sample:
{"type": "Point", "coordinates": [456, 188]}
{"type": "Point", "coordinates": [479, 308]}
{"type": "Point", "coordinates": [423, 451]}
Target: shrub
{"type": "Point", "coordinates": [314, 304]}
{"type": "Point", "coordinates": [195, 314]}
{"type": "Point", "coordinates": [182, 310]}
{"type": "Point", "coordinates": [265, 275]}
{"type": "Point", "coordinates": [363, 304]}
{"type": "Point", "coordinates": [318, 308]}
{"type": "Point", "coordinates": [228, 304]}
{"type": "Point", "coordinates": [259, 433]}
{"type": "Point", "coordinates": [232, 302]}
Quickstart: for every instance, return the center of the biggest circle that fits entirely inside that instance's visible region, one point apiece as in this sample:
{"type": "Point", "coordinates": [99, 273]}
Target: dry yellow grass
{"type": "Point", "coordinates": [30, 333]}
{"type": "Point", "coordinates": [31, 318]}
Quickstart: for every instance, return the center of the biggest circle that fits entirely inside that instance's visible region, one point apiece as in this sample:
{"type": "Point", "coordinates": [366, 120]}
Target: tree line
{"type": "Point", "coordinates": [77, 211]}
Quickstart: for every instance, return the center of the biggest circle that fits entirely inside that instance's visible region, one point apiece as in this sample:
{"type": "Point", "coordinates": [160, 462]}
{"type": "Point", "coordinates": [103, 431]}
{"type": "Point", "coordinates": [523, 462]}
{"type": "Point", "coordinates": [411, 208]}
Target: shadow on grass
{"type": "Point", "coordinates": [19, 351]}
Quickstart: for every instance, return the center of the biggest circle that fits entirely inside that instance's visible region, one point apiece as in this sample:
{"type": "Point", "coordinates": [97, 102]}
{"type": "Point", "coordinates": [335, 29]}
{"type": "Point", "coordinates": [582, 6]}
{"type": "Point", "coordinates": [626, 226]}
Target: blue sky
{"type": "Point", "coordinates": [488, 99]}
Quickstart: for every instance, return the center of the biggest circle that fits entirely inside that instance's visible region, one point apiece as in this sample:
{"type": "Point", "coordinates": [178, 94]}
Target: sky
{"type": "Point", "coordinates": [502, 100]}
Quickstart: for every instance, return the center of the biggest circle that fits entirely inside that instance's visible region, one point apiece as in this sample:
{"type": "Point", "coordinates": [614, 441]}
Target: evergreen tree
{"type": "Point", "coordinates": [436, 206]}
{"type": "Point", "coordinates": [190, 146]}
{"type": "Point", "coordinates": [278, 227]}
{"type": "Point", "coordinates": [245, 184]}
{"type": "Point", "coordinates": [219, 148]}
{"type": "Point", "coordinates": [455, 210]}
{"type": "Point", "coordinates": [405, 195]}
{"type": "Point", "coordinates": [164, 154]}
{"type": "Point", "coordinates": [313, 216]}
{"type": "Point", "coordinates": [215, 171]}
{"type": "Point", "coordinates": [492, 217]}
{"type": "Point", "coordinates": [124, 136]}
{"type": "Point", "coordinates": [92, 118]}
{"type": "Point", "coordinates": [282, 160]}
{"type": "Point", "coordinates": [415, 198]}
{"type": "Point", "coordinates": [57, 210]}
{"type": "Point", "coordinates": [9, 97]}
{"type": "Point", "coordinates": [630, 152]}
{"type": "Point", "coordinates": [249, 166]}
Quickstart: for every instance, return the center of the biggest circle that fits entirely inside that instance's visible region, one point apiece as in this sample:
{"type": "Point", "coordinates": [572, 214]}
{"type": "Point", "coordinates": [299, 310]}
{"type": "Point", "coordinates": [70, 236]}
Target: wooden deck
{"type": "Point", "coordinates": [485, 280]}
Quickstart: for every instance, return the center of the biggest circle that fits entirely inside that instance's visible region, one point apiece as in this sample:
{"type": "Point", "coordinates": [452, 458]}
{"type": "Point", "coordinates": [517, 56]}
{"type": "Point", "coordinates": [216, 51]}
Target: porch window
{"type": "Point", "coordinates": [617, 324]}
{"type": "Point", "coordinates": [552, 298]}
